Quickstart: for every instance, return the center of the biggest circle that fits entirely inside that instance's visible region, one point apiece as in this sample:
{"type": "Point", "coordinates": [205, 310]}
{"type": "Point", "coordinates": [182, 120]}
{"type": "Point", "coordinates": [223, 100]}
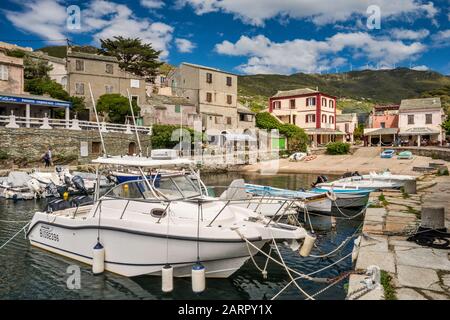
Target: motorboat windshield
{"type": "Point", "coordinates": [168, 188]}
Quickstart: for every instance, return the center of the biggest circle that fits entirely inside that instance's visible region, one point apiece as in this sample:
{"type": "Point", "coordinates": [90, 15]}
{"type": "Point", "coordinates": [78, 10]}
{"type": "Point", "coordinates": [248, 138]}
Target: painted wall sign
{"type": "Point", "coordinates": [32, 101]}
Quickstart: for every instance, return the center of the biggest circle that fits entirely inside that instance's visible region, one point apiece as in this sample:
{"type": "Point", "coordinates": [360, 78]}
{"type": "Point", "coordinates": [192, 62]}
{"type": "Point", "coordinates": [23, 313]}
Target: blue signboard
{"type": "Point", "coordinates": [42, 102]}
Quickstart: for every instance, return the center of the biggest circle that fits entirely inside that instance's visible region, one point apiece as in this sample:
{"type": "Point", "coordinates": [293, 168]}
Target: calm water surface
{"type": "Point", "coordinates": [31, 273]}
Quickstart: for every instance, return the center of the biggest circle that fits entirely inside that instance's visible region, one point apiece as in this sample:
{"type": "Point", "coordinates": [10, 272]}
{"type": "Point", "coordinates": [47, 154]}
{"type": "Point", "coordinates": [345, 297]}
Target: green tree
{"type": "Point", "coordinates": [40, 86]}
{"type": "Point", "coordinates": [116, 106]}
{"type": "Point", "coordinates": [358, 134]}
{"type": "Point", "coordinates": [36, 68]}
{"type": "Point", "coordinates": [446, 125]}
{"type": "Point", "coordinates": [133, 55]}
{"type": "Point", "coordinates": [297, 138]}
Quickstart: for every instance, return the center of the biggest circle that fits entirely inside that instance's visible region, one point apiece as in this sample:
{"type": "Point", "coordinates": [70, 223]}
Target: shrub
{"type": "Point", "coordinates": [297, 138]}
{"type": "Point", "coordinates": [3, 155]}
{"type": "Point", "coordinates": [338, 148]}
{"type": "Point", "coordinates": [116, 106]}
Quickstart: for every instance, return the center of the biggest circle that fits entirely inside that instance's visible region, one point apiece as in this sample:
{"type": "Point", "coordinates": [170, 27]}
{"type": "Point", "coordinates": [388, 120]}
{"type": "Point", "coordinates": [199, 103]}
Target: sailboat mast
{"type": "Point", "coordinates": [134, 122]}
{"type": "Point", "coordinates": [98, 123]}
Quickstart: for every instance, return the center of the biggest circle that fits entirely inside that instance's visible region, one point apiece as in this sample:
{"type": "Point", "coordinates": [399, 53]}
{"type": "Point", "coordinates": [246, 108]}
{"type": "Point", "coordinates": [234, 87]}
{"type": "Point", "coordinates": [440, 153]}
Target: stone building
{"type": "Point", "coordinates": [104, 75]}
{"type": "Point", "coordinates": [171, 110]}
{"type": "Point", "coordinates": [11, 74]}
{"type": "Point", "coordinates": [347, 123]}
{"type": "Point", "coordinates": [59, 70]}
{"type": "Point", "coordinates": [212, 91]}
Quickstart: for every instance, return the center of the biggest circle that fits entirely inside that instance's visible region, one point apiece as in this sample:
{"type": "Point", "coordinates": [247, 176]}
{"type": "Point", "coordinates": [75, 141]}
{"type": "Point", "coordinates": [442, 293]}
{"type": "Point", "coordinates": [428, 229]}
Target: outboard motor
{"type": "Point", "coordinates": [57, 204]}
{"type": "Point", "coordinates": [347, 175]}
{"type": "Point", "coordinates": [111, 178]}
{"type": "Point", "coordinates": [320, 179]}
{"type": "Point", "coordinates": [67, 181]}
{"type": "Point", "coordinates": [82, 201]}
{"type": "Point", "coordinates": [52, 190]}
{"type": "Point", "coordinates": [356, 174]}
{"type": "Point", "coordinates": [78, 183]}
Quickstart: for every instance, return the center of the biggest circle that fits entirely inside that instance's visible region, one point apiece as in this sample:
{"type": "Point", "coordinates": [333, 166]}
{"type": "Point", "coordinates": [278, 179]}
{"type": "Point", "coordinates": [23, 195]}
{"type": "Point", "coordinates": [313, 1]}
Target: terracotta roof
{"type": "Point", "coordinates": [243, 109]}
{"type": "Point", "coordinates": [161, 100]}
{"type": "Point", "coordinates": [419, 104]}
{"type": "Point", "coordinates": [345, 117]}
{"type": "Point", "coordinates": [91, 56]}
{"type": "Point", "coordinates": [294, 92]}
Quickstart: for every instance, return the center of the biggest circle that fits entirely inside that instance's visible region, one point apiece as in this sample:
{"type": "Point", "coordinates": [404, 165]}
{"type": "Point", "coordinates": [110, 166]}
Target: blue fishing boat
{"type": "Point", "coordinates": [388, 153]}
{"type": "Point", "coordinates": [346, 197]}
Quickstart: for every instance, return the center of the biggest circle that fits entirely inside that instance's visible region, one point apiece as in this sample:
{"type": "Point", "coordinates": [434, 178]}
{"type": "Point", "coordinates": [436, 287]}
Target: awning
{"type": "Point", "coordinates": [33, 100]}
{"type": "Point", "coordinates": [380, 131]}
{"type": "Point", "coordinates": [238, 137]}
{"type": "Point", "coordinates": [418, 131]}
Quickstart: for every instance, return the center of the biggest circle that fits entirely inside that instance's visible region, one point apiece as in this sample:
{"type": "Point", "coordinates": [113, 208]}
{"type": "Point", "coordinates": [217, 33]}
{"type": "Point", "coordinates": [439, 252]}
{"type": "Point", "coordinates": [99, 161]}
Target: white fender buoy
{"type": "Point", "coordinates": [355, 250]}
{"type": "Point", "coordinates": [167, 278]}
{"type": "Point", "coordinates": [308, 244]}
{"type": "Point", "coordinates": [333, 222]}
{"type": "Point", "coordinates": [198, 278]}
{"type": "Point", "coordinates": [98, 259]}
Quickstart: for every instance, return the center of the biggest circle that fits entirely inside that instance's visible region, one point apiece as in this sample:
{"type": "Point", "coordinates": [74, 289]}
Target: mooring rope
{"type": "Point", "coordinates": [15, 235]}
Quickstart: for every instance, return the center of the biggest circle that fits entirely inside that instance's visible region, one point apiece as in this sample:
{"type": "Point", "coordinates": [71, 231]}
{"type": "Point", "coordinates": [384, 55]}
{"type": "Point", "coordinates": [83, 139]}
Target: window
{"type": "Point", "coordinates": [79, 88]}
{"type": "Point", "coordinates": [109, 68]}
{"type": "Point", "coordinates": [96, 147]}
{"type": "Point", "coordinates": [209, 77]}
{"type": "Point", "coordinates": [229, 99]}
{"type": "Point", "coordinates": [135, 99]}
{"type": "Point", "coordinates": [64, 82]}
{"type": "Point", "coordinates": [428, 118]}
{"type": "Point", "coordinates": [324, 102]}
{"type": "Point", "coordinates": [331, 119]}
{"type": "Point", "coordinates": [4, 72]}
{"type": "Point", "coordinates": [292, 103]}
{"type": "Point", "coordinates": [229, 81]}
{"type": "Point", "coordinates": [383, 125]}
{"type": "Point", "coordinates": [209, 97]}
{"type": "Point", "coordinates": [108, 88]}
{"type": "Point", "coordinates": [331, 104]}
{"type": "Point", "coordinates": [410, 119]}
{"type": "Point", "coordinates": [218, 120]}
{"type": "Point", "coordinates": [324, 118]}
{"type": "Point", "coordinates": [245, 117]}
{"type": "Point", "coordinates": [310, 118]}
{"type": "Point", "coordinates": [229, 120]}
{"type": "Point", "coordinates": [134, 83]}
{"type": "Point", "coordinates": [177, 108]}
{"type": "Point", "coordinates": [277, 104]}
{"type": "Point", "coordinates": [347, 127]}
{"type": "Point", "coordinates": [79, 65]}
{"type": "Point", "coordinates": [311, 101]}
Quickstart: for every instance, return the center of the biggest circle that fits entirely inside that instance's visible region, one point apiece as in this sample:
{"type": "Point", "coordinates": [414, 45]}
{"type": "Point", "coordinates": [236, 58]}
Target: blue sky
{"type": "Point", "coordinates": [248, 36]}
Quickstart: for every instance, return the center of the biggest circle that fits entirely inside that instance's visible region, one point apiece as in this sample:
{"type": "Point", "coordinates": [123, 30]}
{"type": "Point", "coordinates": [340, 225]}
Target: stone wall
{"type": "Point", "coordinates": [25, 146]}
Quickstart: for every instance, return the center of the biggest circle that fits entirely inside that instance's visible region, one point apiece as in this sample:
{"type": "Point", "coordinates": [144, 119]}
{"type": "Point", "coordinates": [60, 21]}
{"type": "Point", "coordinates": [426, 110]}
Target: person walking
{"type": "Point", "coordinates": [48, 157]}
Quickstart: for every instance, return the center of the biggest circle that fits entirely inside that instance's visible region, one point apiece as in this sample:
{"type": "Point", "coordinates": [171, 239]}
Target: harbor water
{"type": "Point", "coordinates": [31, 273]}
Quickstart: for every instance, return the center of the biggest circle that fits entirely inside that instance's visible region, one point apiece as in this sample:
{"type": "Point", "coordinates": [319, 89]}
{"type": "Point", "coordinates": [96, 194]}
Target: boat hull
{"type": "Point", "coordinates": [131, 254]}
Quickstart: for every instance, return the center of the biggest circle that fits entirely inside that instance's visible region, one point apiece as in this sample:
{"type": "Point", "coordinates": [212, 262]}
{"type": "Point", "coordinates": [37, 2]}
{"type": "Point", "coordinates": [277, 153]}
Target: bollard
{"type": "Point", "coordinates": [433, 217]}
{"type": "Point", "coordinates": [410, 187]}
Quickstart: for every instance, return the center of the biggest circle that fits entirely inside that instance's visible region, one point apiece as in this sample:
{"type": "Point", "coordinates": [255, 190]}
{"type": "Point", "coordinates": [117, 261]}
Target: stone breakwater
{"type": "Point", "coordinates": [25, 146]}
{"type": "Point", "coordinates": [417, 272]}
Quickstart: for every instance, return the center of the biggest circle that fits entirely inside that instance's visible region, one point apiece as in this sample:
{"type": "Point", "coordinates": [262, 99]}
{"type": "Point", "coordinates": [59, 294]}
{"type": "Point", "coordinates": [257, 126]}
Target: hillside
{"type": "Point", "coordinates": [357, 90]}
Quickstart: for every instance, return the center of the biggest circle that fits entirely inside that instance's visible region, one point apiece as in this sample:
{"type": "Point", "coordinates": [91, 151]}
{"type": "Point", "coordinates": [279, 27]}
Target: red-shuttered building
{"type": "Point", "coordinates": [311, 110]}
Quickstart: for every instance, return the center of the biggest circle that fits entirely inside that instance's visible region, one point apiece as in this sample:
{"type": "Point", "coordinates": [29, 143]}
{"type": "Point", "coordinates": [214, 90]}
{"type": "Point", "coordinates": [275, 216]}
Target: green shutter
{"type": "Point", "coordinates": [177, 108]}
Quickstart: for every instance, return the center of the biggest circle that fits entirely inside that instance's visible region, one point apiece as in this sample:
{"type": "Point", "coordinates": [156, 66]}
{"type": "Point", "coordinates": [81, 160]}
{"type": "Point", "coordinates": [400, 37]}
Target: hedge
{"type": "Point", "coordinates": [338, 148]}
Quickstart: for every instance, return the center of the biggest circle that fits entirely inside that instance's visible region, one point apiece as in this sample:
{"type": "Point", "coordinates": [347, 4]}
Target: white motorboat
{"type": "Point", "coordinates": [143, 226]}
{"type": "Point", "coordinates": [400, 180]}
{"type": "Point", "coordinates": [19, 186]}
{"type": "Point", "coordinates": [361, 182]}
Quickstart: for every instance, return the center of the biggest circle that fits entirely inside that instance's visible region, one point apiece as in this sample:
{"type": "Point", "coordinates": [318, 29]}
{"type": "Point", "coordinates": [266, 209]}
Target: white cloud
{"type": "Point", "coordinates": [299, 55]}
{"type": "Point", "coordinates": [184, 45]}
{"type": "Point", "coordinates": [45, 18]}
{"type": "Point", "coordinates": [100, 18]}
{"type": "Point", "coordinates": [442, 38]}
{"type": "Point", "coordinates": [152, 4]}
{"type": "Point", "coordinates": [420, 68]}
{"type": "Point", "coordinates": [406, 34]}
{"type": "Point", "coordinates": [320, 12]}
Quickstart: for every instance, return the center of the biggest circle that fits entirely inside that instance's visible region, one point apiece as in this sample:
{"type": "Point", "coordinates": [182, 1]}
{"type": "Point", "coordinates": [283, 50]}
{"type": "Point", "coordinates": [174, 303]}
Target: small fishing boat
{"type": "Point", "coordinates": [406, 155]}
{"type": "Point", "coordinates": [297, 156]}
{"type": "Point", "coordinates": [387, 154]}
{"type": "Point", "coordinates": [346, 197]}
{"type": "Point", "coordinates": [305, 200]}
{"type": "Point", "coordinates": [143, 227]}
{"type": "Point", "coordinates": [361, 182]}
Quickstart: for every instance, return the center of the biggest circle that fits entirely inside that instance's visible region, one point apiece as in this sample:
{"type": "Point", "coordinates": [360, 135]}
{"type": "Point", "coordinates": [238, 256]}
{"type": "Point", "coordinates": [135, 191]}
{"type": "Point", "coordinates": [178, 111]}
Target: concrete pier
{"type": "Point", "coordinates": [417, 272]}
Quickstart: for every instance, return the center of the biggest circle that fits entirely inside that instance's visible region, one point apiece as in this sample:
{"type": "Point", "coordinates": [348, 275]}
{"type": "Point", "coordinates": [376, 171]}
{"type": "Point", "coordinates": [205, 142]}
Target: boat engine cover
{"type": "Point", "coordinates": [78, 182]}
{"type": "Point", "coordinates": [57, 204]}
{"type": "Point", "coordinates": [82, 201]}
